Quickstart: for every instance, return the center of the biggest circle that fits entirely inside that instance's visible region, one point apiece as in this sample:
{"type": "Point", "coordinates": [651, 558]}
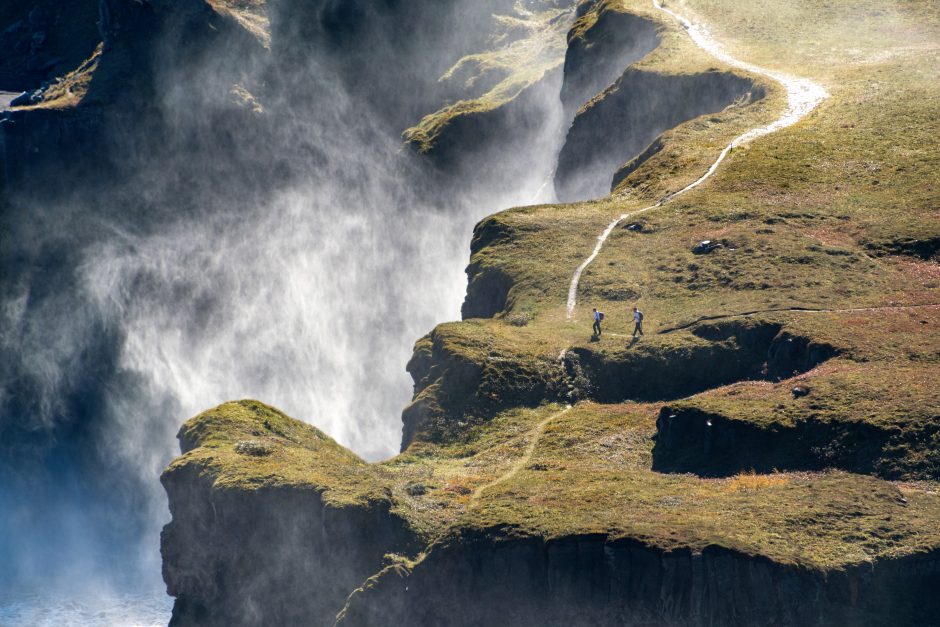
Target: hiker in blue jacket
{"type": "Point", "coordinates": [598, 316]}
{"type": "Point", "coordinates": [638, 322]}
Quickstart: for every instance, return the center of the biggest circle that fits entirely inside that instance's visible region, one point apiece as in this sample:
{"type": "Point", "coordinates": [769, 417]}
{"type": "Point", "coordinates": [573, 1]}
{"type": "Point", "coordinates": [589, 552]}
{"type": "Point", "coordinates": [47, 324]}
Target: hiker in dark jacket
{"type": "Point", "coordinates": [638, 322]}
{"type": "Point", "coordinates": [598, 316]}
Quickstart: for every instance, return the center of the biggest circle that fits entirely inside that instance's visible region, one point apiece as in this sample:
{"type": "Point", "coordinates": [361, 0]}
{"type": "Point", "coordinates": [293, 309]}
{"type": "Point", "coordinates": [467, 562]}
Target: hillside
{"type": "Point", "coordinates": [761, 181]}
{"type": "Point", "coordinates": [765, 453]}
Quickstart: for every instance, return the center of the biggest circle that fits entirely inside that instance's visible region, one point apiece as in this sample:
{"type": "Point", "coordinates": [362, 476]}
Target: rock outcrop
{"type": "Point", "coordinates": [240, 552]}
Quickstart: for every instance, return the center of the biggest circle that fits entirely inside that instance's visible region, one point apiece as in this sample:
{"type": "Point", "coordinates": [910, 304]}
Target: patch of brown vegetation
{"type": "Point", "coordinates": [750, 481]}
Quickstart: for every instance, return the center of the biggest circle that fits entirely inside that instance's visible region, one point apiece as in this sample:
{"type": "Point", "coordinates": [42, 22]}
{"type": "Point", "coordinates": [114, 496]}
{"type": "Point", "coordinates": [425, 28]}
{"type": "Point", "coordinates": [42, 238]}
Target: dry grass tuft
{"type": "Point", "coordinates": [751, 481]}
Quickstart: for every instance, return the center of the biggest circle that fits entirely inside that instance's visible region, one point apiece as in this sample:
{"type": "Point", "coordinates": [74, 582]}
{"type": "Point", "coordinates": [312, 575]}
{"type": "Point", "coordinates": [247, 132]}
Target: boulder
{"type": "Point", "coordinates": [800, 391]}
{"type": "Point", "coordinates": [705, 246]}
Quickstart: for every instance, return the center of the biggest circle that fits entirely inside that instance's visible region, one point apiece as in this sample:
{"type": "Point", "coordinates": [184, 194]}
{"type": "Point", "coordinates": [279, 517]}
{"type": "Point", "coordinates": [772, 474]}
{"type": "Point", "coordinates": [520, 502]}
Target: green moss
{"type": "Point", "coordinates": [297, 454]}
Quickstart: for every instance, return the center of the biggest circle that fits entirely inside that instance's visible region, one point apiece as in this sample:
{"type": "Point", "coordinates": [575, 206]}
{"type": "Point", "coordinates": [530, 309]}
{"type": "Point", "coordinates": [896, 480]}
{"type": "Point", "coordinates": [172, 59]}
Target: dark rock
{"type": "Point", "coordinates": [36, 16]}
{"type": "Point", "coordinates": [51, 63]}
{"type": "Point", "coordinates": [593, 580]}
{"type": "Point", "coordinates": [254, 448]}
{"type": "Point", "coordinates": [636, 227]}
{"type": "Point", "coordinates": [691, 439]}
{"type": "Point", "coordinates": [706, 246]}
{"type": "Point", "coordinates": [416, 489]}
{"type": "Point", "coordinates": [487, 291]}
{"type": "Point", "coordinates": [800, 391]}
{"type": "Point", "coordinates": [14, 27]}
{"type": "Point", "coordinates": [233, 556]}
{"type": "Point", "coordinates": [592, 158]}
{"type": "Point", "coordinates": [34, 63]}
{"type": "Point", "coordinates": [520, 319]}
{"type": "Point", "coordinates": [22, 100]}
{"type": "Point", "coordinates": [22, 46]}
{"type": "Point", "coordinates": [597, 58]}
{"type": "Point", "coordinates": [736, 351]}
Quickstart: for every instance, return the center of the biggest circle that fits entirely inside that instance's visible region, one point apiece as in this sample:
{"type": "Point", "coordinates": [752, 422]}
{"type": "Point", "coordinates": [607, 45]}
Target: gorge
{"type": "Point", "coordinates": [272, 199]}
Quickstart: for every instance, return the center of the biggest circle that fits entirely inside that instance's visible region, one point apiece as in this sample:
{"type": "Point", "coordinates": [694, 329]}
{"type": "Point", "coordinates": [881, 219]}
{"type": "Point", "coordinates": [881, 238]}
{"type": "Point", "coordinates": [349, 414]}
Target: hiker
{"type": "Point", "coordinates": [598, 316]}
{"type": "Point", "coordinates": [638, 321]}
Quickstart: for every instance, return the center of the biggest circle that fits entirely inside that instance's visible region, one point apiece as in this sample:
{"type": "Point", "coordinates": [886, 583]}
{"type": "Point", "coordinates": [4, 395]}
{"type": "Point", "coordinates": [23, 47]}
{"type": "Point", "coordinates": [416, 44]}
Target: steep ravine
{"type": "Point", "coordinates": [640, 105]}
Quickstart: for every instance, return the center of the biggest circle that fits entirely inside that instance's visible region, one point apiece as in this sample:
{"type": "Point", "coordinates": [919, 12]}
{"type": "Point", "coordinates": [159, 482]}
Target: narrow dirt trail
{"type": "Point", "coordinates": [803, 95]}
{"type": "Point", "coordinates": [398, 569]}
{"type": "Point", "coordinates": [805, 310]}
{"type": "Point", "coordinates": [519, 464]}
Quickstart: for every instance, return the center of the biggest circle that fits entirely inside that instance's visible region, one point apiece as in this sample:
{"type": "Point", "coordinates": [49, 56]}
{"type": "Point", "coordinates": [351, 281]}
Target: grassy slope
{"type": "Point", "coordinates": [248, 444]}
{"type": "Point", "coordinates": [814, 215]}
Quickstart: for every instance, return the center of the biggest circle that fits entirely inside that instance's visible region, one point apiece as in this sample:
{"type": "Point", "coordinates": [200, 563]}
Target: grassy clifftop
{"type": "Point", "coordinates": [555, 472]}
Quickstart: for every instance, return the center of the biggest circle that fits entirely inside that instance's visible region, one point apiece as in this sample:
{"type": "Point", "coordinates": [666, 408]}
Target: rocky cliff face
{"type": "Point", "coordinates": [641, 106]}
{"type": "Point", "coordinates": [591, 580]}
{"type": "Point", "coordinates": [274, 522]}
{"type": "Point", "coordinates": [235, 556]}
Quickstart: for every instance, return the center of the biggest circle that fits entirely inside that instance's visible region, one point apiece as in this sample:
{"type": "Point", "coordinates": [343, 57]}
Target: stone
{"type": "Point", "coordinates": [705, 246]}
{"type": "Point", "coordinates": [416, 489]}
{"type": "Point", "coordinates": [253, 448]}
{"type": "Point", "coordinates": [34, 63]}
{"type": "Point", "coordinates": [800, 391]}
{"type": "Point", "coordinates": [22, 46]}
{"type": "Point", "coordinates": [14, 27]}
{"type": "Point", "coordinates": [36, 16]}
{"type": "Point", "coordinates": [22, 100]}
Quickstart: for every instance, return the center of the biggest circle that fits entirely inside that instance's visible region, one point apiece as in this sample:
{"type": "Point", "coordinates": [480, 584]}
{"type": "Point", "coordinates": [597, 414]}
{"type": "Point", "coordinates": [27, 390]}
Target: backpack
{"type": "Point", "coordinates": [601, 314]}
{"type": "Point", "coordinates": [640, 314]}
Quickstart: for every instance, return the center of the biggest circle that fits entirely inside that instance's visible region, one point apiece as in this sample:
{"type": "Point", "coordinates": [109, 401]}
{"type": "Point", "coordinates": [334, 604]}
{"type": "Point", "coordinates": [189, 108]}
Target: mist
{"type": "Point", "coordinates": [288, 249]}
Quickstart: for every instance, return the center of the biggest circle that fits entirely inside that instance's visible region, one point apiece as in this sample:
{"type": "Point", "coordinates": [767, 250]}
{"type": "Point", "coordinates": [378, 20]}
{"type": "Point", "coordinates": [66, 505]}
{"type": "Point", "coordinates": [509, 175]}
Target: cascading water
{"type": "Point", "coordinates": [128, 308]}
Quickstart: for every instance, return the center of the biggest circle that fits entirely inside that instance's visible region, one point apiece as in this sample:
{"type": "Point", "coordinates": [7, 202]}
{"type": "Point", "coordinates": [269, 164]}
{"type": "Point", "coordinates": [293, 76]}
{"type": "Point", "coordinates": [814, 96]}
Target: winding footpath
{"type": "Point", "coordinates": [519, 464]}
{"type": "Point", "coordinates": [534, 435]}
{"type": "Point", "coordinates": [803, 95]}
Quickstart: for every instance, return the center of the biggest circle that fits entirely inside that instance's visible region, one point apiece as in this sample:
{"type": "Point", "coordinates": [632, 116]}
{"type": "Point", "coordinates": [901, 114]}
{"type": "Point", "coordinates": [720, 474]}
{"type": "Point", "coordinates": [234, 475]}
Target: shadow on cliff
{"type": "Point", "coordinates": [590, 580]}
{"type": "Point", "coordinates": [454, 385]}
